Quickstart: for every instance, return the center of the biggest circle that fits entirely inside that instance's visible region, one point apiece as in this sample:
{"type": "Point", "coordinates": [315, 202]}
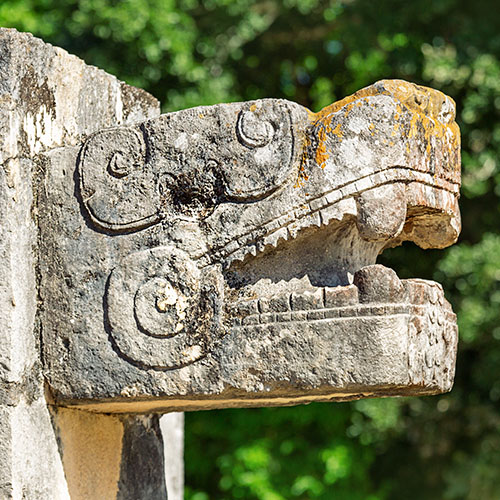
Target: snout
{"type": "Point", "coordinates": [399, 145]}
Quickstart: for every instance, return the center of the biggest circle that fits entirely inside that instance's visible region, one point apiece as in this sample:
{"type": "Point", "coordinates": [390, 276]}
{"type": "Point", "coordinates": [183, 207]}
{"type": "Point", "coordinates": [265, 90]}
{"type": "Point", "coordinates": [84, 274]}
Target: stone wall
{"type": "Point", "coordinates": [50, 99]}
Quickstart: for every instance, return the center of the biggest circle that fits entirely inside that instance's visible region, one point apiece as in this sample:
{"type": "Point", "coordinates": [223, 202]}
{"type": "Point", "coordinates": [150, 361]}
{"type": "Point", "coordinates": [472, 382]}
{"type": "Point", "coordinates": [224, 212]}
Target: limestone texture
{"type": "Point", "coordinates": [226, 255]}
{"type": "Point", "coordinates": [50, 99]}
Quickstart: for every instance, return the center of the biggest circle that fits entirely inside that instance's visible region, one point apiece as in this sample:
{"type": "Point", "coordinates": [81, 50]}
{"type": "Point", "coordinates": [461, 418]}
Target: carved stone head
{"type": "Point", "coordinates": [225, 255]}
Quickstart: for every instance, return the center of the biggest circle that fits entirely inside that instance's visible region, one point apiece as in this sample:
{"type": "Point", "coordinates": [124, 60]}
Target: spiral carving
{"type": "Point", "coordinates": [162, 313]}
{"type": "Point", "coordinates": [112, 166]}
{"type": "Point", "coordinates": [252, 131]}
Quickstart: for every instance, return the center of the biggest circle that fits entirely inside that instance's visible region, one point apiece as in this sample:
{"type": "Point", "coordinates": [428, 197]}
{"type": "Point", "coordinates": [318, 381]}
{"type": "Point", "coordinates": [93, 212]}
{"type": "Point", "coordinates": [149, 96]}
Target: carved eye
{"type": "Point", "coordinates": [118, 165]}
{"type": "Point", "coordinates": [253, 131]}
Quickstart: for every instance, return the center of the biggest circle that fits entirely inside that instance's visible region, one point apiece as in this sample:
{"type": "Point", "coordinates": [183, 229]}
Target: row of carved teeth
{"type": "Point", "coordinates": [359, 310]}
{"type": "Point", "coordinates": [319, 211]}
{"type": "Point", "coordinates": [413, 291]}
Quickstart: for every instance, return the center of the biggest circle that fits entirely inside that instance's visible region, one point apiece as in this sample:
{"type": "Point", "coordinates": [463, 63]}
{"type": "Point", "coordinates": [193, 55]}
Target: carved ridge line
{"type": "Point", "coordinates": [384, 310]}
{"type": "Point", "coordinates": [308, 319]}
{"type": "Point", "coordinates": [452, 187]}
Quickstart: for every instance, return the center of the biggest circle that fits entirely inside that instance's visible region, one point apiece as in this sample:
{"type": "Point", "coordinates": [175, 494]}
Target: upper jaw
{"type": "Point", "coordinates": [394, 133]}
{"type": "Point", "coordinates": [386, 159]}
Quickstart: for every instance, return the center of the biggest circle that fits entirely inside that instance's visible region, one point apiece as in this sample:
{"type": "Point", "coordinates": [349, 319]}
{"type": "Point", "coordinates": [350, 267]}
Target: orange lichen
{"type": "Point", "coordinates": [253, 107]}
{"type": "Point", "coordinates": [431, 139]}
{"type": "Point", "coordinates": [321, 155]}
{"type": "Point", "coordinates": [422, 111]}
{"type": "Point", "coordinates": [337, 131]}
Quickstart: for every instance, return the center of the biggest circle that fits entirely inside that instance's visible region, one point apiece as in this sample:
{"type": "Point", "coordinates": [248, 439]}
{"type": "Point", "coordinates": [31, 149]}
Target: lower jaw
{"type": "Point", "coordinates": [380, 332]}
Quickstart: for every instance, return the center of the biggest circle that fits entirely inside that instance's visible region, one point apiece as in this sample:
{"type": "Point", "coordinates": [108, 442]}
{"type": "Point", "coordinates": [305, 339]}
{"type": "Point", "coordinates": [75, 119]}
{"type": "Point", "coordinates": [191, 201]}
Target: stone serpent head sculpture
{"type": "Point", "coordinates": [270, 218]}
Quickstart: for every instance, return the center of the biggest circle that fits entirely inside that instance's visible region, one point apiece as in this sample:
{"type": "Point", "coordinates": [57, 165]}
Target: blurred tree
{"type": "Point", "coordinates": [192, 52]}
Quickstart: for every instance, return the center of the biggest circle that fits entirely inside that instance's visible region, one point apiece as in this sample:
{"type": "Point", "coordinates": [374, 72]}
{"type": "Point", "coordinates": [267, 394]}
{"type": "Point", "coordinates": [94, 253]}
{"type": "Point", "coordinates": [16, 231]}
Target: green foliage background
{"type": "Point", "coordinates": [191, 52]}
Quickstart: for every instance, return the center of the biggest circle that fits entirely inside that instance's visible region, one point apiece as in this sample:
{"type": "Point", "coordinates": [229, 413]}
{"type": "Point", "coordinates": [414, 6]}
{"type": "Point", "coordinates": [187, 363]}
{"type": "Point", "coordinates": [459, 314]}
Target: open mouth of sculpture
{"type": "Point", "coordinates": [317, 266]}
{"type": "Point", "coordinates": [322, 279]}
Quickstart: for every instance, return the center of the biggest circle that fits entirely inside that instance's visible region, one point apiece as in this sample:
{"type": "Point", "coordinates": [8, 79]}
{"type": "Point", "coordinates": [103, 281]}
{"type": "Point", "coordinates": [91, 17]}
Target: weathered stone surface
{"type": "Point", "coordinates": [48, 99]}
{"type": "Point", "coordinates": [224, 256]}
{"type": "Point", "coordinates": [219, 256]}
{"type": "Point", "coordinates": [172, 430]}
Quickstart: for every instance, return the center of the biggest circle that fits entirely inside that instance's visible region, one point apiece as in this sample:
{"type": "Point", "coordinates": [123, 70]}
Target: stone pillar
{"type": "Point", "coordinates": [172, 429]}
{"type": "Point", "coordinates": [48, 100]}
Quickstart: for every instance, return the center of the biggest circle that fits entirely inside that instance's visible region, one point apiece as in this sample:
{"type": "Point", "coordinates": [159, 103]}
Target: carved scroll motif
{"type": "Point", "coordinates": [117, 189]}
{"type": "Point", "coordinates": [162, 313]}
{"type": "Point", "coordinates": [131, 178]}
